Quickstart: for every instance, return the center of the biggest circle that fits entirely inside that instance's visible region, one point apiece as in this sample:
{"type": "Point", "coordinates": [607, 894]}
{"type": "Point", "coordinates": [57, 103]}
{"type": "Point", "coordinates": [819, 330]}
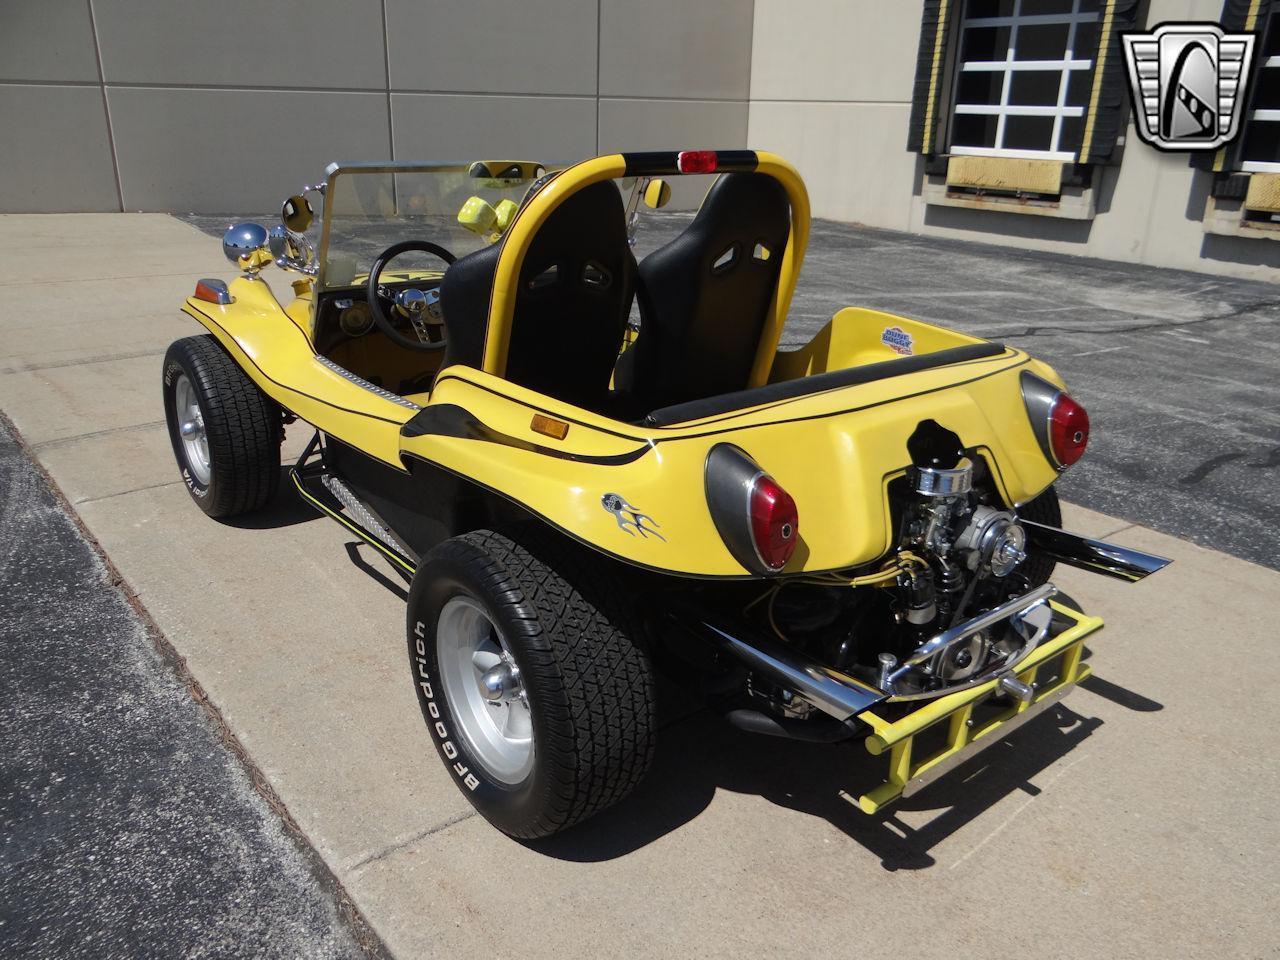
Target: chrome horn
{"type": "Point", "coordinates": [245, 245]}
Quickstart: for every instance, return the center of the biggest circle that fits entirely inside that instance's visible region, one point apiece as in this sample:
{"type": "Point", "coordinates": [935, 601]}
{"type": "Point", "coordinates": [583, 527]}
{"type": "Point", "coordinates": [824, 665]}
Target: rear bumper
{"type": "Point", "coordinates": [965, 720]}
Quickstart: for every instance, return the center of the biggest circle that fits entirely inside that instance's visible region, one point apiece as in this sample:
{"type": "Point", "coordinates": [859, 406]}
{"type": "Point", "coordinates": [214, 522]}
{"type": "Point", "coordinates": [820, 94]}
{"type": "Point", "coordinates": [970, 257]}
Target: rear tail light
{"type": "Point", "coordinates": [774, 522]}
{"type": "Point", "coordinates": [1068, 430]}
{"type": "Point", "coordinates": [696, 161]}
{"type": "Point", "coordinates": [756, 518]}
{"type": "Point", "coordinates": [1060, 424]}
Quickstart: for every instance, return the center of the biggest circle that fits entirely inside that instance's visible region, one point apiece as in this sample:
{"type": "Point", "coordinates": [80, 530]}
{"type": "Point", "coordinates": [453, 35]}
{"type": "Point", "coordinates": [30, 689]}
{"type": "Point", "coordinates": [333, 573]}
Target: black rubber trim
{"type": "Point", "coordinates": [450, 420]}
{"type": "Point", "coordinates": [665, 162]}
{"type": "Point", "coordinates": [804, 386]}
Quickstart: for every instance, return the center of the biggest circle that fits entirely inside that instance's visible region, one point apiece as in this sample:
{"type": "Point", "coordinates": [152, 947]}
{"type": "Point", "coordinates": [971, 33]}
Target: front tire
{"type": "Point", "coordinates": [225, 431]}
{"type": "Point", "coordinates": [534, 691]}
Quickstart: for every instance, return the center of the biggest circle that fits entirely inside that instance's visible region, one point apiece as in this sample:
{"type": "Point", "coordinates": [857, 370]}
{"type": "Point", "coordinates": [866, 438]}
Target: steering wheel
{"type": "Point", "coordinates": [421, 309]}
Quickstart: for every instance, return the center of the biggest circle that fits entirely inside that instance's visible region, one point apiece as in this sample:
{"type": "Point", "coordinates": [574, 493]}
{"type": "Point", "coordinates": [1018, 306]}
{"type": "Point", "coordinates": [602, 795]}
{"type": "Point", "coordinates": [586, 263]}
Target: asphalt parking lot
{"type": "Point", "coordinates": [130, 830]}
{"type": "Point", "coordinates": [1135, 820]}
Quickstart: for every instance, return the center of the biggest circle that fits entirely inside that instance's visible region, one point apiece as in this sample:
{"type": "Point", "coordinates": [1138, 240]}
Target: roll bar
{"type": "Point", "coordinates": [559, 186]}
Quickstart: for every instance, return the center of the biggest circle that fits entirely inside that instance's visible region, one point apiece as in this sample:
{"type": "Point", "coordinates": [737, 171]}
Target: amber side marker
{"type": "Point", "coordinates": [549, 427]}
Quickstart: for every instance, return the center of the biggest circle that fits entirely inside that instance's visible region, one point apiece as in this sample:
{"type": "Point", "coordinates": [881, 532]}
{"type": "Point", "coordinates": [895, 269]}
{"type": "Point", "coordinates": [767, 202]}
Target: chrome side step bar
{"type": "Point", "coordinates": [328, 494]}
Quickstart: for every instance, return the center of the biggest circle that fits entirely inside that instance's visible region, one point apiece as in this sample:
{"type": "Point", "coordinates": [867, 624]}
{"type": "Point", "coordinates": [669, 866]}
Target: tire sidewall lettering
{"type": "Point", "coordinates": [427, 692]}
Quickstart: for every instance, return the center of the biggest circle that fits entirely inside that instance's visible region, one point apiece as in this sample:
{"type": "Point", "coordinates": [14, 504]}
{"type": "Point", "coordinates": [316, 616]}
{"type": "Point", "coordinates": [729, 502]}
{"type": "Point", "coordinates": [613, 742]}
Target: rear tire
{"type": "Point", "coordinates": [225, 431]}
{"type": "Point", "coordinates": [584, 685]}
{"type": "Point", "coordinates": [1044, 509]}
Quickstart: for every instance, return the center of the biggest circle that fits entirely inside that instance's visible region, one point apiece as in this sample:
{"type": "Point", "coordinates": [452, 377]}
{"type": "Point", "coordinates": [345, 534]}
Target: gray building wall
{"type": "Point", "coordinates": [183, 105]}
{"type": "Point", "coordinates": [831, 90]}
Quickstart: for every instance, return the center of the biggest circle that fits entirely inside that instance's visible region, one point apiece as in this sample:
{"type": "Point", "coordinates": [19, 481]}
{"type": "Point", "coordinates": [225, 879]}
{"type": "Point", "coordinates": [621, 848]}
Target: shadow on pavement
{"type": "Point", "coordinates": [704, 754]}
{"type": "Point", "coordinates": [1120, 696]}
{"type": "Point", "coordinates": [376, 574]}
{"type": "Point", "coordinates": [700, 753]}
{"type": "Point", "coordinates": [284, 510]}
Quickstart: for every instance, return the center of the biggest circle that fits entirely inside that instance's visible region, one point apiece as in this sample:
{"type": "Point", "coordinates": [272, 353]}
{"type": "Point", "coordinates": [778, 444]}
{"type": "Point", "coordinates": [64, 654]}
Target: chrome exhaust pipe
{"type": "Point", "coordinates": [1095, 556]}
{"type": "Point", "coordinates": [834, 693]}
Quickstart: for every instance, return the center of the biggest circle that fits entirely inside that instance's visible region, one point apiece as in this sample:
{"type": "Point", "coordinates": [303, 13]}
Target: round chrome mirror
{"type": "Point", "coordinates": [243, 239]}
{"type": "Point", "coordinates": [291, 251]}
{"type": "Point", "coordinates": [296, 214]}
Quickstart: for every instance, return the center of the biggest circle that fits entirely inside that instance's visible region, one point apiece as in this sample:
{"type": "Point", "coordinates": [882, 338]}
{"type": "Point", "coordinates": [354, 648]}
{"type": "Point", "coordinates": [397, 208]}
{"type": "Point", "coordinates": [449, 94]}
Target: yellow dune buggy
{"type": "Point", "coordinates": [593, 467]}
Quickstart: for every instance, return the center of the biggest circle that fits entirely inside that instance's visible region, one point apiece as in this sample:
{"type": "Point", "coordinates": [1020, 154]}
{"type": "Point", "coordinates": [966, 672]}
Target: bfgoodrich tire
{"type": "Point", "coordinates": [562, 724]}
{"type": "Point", "coordinates": [225, 431]}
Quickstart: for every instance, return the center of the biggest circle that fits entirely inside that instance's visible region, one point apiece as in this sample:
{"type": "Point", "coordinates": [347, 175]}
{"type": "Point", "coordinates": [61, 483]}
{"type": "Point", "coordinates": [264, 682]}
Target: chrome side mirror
{"type": "Point", "coordinates": [245, 245]}
{"type": "Point", "coordinates": [292, 251]}
{"type": "Point", "coordinates": [296, 214]}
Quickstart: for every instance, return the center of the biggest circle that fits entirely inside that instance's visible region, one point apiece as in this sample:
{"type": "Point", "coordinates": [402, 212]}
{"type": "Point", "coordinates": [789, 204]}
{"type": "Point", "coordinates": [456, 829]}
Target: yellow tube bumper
{"type": "Point", "coordinates": [965, 734]}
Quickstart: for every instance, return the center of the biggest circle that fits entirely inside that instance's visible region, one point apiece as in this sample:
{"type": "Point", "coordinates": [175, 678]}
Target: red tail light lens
{"type": "Point", "coordinates": [696, 161]}
{"type": "Point", "coordinates": [775, 523]}
{"type": "Point", "coordinates": [1068, 430]}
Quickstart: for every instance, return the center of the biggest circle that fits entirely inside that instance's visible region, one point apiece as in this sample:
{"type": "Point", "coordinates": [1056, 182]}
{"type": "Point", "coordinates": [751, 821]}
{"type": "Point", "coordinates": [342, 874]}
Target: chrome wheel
{"type": "Point", "coordinates": [186, 408]}
{"type": "Point", "coordinates": [483, 687]}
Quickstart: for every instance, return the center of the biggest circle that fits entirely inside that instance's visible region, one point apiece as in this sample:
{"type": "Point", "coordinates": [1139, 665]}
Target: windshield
{"type": "Point", "coordinates": [368, 207]}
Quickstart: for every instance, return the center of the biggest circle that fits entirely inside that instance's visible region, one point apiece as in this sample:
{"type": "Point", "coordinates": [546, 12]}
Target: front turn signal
{"type": "Point", "coordinates": [213, 291]}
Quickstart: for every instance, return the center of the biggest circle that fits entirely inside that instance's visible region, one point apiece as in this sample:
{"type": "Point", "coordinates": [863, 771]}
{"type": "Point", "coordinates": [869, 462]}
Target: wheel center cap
{"type": "Point", "coordinates": [500, 682]}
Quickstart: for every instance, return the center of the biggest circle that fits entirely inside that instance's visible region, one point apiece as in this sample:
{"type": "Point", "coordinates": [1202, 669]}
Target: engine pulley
{"type": "Point", "coordinates": [995, 539]}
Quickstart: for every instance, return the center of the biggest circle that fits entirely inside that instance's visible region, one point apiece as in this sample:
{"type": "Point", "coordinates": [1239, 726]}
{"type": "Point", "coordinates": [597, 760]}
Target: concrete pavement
{"type": "Point", "coordinates": [1136, 820]}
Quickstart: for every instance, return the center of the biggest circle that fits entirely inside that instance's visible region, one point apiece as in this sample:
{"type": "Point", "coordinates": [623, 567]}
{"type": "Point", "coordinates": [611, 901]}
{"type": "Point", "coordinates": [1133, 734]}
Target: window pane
{"type": "Point", "coordinates": [1271, 46]}
{"type": "Point", "coordinates": [1035, 8]}
{"type": "Point", "coordinates": [1072, 133]}
{"type": "Point", "coordinates": [1078, 88]}
{"type": "Point", "coordinates": [1028, 133]}
{"type": "Point", "coordinates": [1266, 90]}
{"type": "Point", "coordinates": [984, 44]}
{"type": "Point", "coordinates": [989, 8]}
{"type": "Point", "coordinates": [1085, 44]}
{"type": "Point", "coordinates": [1035, 88]}
{"type": "Point", "coordinates": [969, 130]}
{"type": "Point", "coordinates": [1041, 41]}
{"type": "Point", "coordinates": [981, 86]}
{"type": "Point", "coordinates": [1261, 142]}
{"type": "Point", "coordinates": [1090, 6]}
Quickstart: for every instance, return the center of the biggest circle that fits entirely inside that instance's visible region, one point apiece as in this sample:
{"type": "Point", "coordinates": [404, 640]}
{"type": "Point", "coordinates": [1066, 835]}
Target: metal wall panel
{"type": "Point", "coordinates": [243, 43]}
{"type": "Point", "coordinates": [493, 46]}
{"type": "Point", "coordinates": [172, 158]}
{"type": "Point", "coordinates": [453, 127]}
{"type": "Point", "coordinates": [50, 40]}
{"type": "Point", "coordinates": [227, 107]}
{"type": "Point", "coordinates": [55, 156]}
{"type": "Point", "coordinates": [676, 49]}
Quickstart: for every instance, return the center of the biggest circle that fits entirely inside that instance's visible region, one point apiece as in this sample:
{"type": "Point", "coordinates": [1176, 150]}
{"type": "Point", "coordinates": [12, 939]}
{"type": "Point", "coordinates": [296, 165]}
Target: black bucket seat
{"type": "Point", "coordinates": [705, 295]}
{"type": "Point", "coordinates": [577, 284]}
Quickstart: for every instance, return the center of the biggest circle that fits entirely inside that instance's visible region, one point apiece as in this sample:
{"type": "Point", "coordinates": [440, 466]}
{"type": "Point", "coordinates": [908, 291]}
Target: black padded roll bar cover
{"type": "Point", "coordinates": [665, 163]}
{"type": "Point", "coordinates": [804, 386]}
